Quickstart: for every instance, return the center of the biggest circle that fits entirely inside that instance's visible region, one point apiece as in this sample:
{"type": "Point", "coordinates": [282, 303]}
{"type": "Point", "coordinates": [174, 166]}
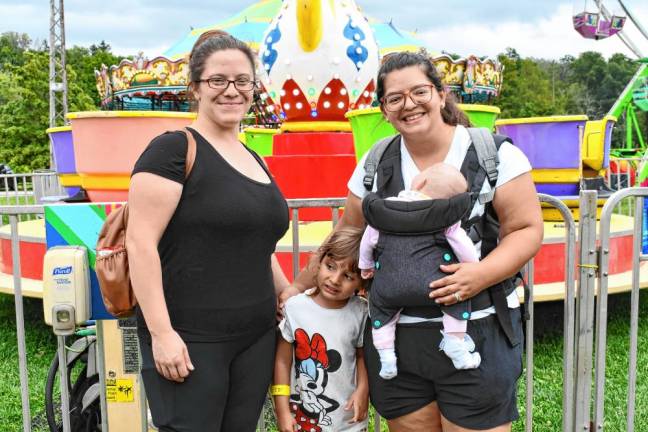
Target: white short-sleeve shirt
{"type": "Point", "coordinates": [323, 374]}
{"type": "Point", "coordinates": [512, 163]}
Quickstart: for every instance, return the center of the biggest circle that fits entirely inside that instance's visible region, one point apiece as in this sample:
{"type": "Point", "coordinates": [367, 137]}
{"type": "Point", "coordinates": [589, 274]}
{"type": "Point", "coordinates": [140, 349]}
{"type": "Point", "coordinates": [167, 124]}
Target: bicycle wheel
{"type": "Point", "coordinates": [78, 382]}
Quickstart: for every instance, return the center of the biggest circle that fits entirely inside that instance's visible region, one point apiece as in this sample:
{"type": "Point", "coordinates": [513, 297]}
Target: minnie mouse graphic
{"type": "Point", "coordinates": [313, 362]}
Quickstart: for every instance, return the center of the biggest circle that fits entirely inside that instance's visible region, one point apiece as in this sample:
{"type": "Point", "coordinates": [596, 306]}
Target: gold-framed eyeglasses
{"type": "Point", "coordinates": [219, 83]}
{"type": "Point", "coordinates": [420, 95]}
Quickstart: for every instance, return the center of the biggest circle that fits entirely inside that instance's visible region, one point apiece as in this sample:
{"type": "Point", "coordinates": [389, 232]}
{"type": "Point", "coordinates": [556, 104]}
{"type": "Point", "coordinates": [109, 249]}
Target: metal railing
{"type": "Point", "coordinates": [625, 175]}
{"type": "Point", "coordinates": [29, 189]}
{"type": "Point", "coordinates": [579, 324]}
{"type": "Point", "coordinates": [603, 253]}
{"type": "Point", "coordinates": [13, 213]}
{"type": "Point", "coordinates": [568, 323]}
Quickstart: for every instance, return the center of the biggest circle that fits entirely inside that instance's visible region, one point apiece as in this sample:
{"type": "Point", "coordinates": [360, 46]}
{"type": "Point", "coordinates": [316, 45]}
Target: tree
{"type": "Point", "coordinates": [84, 61]}
{"type": "Point", "coordinates": [12, 47]}
{"type": "Point", "coordinates": [24, 112]}
{"type": "Point", "coordinates": [526, 88]}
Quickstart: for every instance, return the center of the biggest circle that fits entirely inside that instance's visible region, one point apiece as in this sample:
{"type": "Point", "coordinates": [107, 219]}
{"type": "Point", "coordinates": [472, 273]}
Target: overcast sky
{"type": "Point", "coordinates": [535, 28]}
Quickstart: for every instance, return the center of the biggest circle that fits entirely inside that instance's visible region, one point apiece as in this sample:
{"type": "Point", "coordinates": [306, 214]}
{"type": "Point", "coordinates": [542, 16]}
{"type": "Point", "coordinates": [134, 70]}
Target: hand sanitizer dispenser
{"type": "Point", "coordinates": [66, 288]}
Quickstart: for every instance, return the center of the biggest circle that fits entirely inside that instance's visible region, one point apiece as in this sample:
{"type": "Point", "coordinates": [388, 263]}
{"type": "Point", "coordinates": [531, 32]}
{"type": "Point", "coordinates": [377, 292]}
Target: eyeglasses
{"type": "Point", "coordinates": [419, 95]}
{"type": "Point", "coordinates": [240, 84]}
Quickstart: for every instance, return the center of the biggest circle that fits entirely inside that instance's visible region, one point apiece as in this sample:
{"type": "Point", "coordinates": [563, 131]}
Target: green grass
{"type": "Point", "coordinates": [547, 409]}
{"type": "Point", "coordinates": [547, 401]}
{"type": "Point", "coordinates": [41, 347]}
{"type": "Point", "coordinates": [12, 201]}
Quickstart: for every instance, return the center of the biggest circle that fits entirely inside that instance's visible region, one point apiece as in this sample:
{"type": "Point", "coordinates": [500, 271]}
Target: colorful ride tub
{"type": "Point", "coordinates": [369, 125]}
{"type": "Point", "coordinates": [597, 143]}
{"type": "Point", "coordinates": [260, 139]}
{"type": "Point", "coordinates": [63, 151]}
{"type": "Point", "coordinates": [108, 143]}
{"type": "Point", "coordinates": [553, 146]}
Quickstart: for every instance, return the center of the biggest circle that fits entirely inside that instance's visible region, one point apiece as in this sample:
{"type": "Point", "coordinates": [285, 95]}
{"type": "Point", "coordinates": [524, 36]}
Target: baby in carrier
{"type": "Point", "coordinates": [407, 238]}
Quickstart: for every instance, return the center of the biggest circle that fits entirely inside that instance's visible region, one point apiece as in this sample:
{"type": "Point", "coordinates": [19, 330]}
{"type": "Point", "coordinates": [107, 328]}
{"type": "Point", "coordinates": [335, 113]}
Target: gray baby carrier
{"type": "Point", "coordinates": [411, 247]}
{"type": "Point", "coordinates": [480, 164]}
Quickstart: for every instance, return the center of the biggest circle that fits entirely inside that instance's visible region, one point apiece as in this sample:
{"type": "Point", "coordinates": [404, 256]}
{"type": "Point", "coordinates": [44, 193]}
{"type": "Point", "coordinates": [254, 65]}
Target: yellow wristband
{"type": "Point", "coordinates": [280, 390]}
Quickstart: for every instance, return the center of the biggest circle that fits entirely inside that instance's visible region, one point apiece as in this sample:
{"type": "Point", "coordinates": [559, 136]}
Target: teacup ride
{"type": "Point", "coordinates": [31, 235]}
{"type": "Point", "coordinates": [567, 152]}
{"type": "Point", "coordinates": [64, 161]}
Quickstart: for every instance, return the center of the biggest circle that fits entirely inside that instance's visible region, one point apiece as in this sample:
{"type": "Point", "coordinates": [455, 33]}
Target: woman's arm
{"type": "Point", "coordinates": [278, 277]}
{"type": "Point", "coordinates": [152, 200]}
{"type": "Point", "coordinates": [521, 232]}
{"type": "Point", "coordinates": [283, 365]}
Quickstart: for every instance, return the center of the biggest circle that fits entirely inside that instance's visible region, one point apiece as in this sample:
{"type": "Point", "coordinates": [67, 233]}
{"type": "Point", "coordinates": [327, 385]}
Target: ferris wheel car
{"type": "Point", "coordinates": [593, 25]}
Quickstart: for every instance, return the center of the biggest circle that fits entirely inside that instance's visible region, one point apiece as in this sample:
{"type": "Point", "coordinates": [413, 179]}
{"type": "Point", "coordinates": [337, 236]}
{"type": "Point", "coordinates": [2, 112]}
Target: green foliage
{"type": "Point", "coordinates": [24, 96]}
{"type": "Point", "coordinates": [12, 48]}
{"type": "Point", "coordinates": [24, 113]}
{"type": "Point", "coordinates": [84, 61]}
{"type": "Point", "coordinates": [526, 89]}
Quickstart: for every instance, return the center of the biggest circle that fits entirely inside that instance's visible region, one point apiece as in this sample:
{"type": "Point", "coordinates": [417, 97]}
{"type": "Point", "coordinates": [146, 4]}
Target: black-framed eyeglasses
{"type": "Point", "coordinates": [420, 95]}
{"type": "Point", "coordinates": [240, 84]}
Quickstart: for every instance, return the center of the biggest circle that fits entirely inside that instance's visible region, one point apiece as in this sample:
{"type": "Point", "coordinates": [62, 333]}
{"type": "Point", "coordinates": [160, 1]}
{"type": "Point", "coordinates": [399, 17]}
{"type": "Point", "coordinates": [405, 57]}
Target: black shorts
{"type": "Point", "coordinates": [481, 398]}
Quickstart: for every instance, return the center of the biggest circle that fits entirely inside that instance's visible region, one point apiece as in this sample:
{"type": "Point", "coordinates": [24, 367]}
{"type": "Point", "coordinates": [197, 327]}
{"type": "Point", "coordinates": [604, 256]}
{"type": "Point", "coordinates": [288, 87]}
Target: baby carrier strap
{"type": "Point", "coordinates": [384, 162]}
{"type": "Point", "coordinates": [480, 165]}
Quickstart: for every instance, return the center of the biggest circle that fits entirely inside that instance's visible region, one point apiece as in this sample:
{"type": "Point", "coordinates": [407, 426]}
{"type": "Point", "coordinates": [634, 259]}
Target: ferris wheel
{"type": "Point", "coordinates": [594, 20]}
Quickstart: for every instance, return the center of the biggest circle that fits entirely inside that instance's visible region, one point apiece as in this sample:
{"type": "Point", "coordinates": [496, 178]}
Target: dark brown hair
{"type": "Point", "coordinates": [208, 43]}
{"type": "Point", "coordinates": [342, 244]}
{"type": "Point", "coordinates": [450, 113]}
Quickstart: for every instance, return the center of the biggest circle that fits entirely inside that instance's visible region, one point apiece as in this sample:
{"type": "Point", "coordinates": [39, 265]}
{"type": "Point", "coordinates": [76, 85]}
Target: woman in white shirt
{"type": "Point", "coordinates": [429, 394]}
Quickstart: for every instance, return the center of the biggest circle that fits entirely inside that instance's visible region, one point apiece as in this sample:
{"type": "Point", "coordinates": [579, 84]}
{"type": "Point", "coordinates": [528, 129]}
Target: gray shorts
{"type": "Point", "coordinates": [481, 398]}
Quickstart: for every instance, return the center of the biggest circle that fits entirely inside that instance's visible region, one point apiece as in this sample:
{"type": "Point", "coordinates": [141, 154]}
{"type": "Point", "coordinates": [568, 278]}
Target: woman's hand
{"type": "Point", "coordinates": [465, 280]}
{"type": "Point", "coordinates": [359, 402]}
{"type": "Point", "coordinates": [286, 293]}
{"type": "Point", "coordinates": [171, 356]}
{"type": "Point", "coordinates": [285, 421]}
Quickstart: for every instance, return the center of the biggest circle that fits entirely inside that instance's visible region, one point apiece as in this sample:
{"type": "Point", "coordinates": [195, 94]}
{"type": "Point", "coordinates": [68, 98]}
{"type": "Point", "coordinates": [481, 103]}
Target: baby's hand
{"type": "Point", "coordinates": [367, 273]}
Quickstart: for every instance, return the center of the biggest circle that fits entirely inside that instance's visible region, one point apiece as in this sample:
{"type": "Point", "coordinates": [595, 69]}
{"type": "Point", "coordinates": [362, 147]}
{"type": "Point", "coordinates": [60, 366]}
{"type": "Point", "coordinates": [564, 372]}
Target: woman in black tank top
{"type": "Point", "coordinates": [201, 256]}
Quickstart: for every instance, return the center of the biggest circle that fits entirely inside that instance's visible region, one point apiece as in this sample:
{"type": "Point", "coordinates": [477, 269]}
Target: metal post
{"type": "Point", "coordinates": [20, 323]}
{"type": "Point", "coordinates": [101, 366]}
{"type": "Point", "coordinates": [585, 310]}
{"type": "Point", "coordinates": [143, 403]}
{"type": "Point", "coordinates": [528, 304]}
{"type": "Point", "coordinates": [65, 390]}
{"type": "Point", "coordinates": [295, 239]}
{"type": "Point", "coordinates": [569, 310]}
{"type": "Point", "coordinates": [634, 314]}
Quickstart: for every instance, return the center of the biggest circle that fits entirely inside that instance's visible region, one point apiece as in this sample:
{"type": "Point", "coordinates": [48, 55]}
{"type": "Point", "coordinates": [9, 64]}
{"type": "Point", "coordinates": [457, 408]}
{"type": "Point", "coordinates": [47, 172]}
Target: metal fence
{"type": "Point", "coordinates": [580, 322]}
{"type": "Point", "coordinates": [603, 255]}
{"type": "Point", "coordinates": [13, 214]}
{"type": "Point", "coordinates": [625, 175]}
{"type": "Point", "coordinates": [29, 189]}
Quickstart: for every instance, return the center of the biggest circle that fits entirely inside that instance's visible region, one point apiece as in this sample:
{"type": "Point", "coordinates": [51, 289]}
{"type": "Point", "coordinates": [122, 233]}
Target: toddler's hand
{"type": "Point", "coordinates": [286, 422]}
{"type": "Point", "coordinates": [359, 403]}
{"type": "Point", "coordinates": [367, 273]}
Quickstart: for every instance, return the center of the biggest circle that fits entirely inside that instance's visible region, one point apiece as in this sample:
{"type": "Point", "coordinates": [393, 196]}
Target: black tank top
{"type": "Point", "coordinates": [216, 249]}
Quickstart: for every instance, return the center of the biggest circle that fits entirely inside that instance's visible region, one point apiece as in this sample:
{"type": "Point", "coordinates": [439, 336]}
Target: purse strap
{"type": "Point", "coordinates": [191, 152]}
